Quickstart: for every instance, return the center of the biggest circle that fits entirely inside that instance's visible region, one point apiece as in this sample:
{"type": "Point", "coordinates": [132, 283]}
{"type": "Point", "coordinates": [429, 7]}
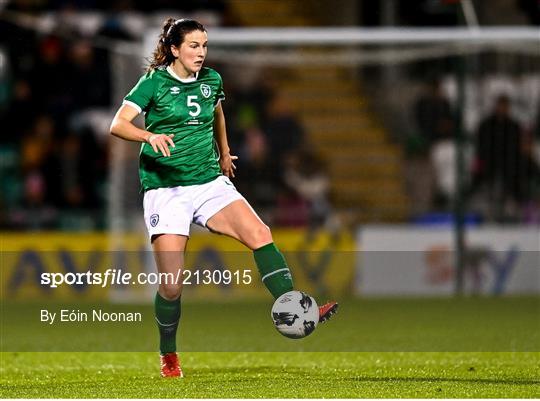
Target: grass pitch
{"type": "Point", "coordinates": [442, 338]}
{"type": "Point", "coordinates": [273, 375]}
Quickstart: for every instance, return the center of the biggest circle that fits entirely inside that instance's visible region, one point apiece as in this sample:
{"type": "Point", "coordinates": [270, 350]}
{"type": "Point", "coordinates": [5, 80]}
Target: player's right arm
{"type": "Point", "coordinates": [122, 126]}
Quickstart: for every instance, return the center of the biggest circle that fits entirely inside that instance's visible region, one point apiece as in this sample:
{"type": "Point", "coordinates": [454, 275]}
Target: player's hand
{"type": "Point", "coordinates": [227, 165]}
{"type": "Point", "coordinates": [161, 143]}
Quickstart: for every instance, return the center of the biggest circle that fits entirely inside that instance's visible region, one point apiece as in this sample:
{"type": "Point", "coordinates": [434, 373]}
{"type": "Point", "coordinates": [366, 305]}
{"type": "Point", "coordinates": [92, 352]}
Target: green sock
{"type": "Point", "coordinates": [273, 268]}
{"type": "Point", "coordinates": [167, 318]}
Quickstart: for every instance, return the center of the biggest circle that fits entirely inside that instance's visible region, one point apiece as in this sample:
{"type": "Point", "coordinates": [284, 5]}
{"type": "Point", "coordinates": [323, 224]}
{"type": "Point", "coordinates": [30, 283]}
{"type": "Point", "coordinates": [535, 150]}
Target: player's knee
{"type": "Point", "coordinates": [260, 236]}
{"type": "Point", "coordinates": [170, 291]}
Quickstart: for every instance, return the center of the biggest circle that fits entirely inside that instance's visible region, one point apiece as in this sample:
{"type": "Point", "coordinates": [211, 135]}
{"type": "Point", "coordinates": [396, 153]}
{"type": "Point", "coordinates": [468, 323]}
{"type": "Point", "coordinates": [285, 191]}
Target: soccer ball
{"type": "Point", "coordinates": [295, 314]}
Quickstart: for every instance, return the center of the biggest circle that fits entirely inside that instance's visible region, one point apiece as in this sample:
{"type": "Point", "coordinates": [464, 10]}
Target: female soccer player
{"type": "Point", "coordinates": [183, 178]}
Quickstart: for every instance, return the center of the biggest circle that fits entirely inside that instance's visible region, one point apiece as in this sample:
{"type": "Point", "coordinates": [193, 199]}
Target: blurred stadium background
{"type": "Point", "coordinates": [394, 153]}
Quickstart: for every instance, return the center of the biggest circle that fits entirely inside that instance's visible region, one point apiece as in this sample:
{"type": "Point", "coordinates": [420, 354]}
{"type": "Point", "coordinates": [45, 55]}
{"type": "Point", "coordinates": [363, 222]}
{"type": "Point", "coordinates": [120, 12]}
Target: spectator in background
{"type": "Point", "coordinates": [50, 78]}
{"type": "Point", "coordinates": [306, 176]}
{"type": "Point", "coordinates": [430, 167]}
{"type": "Point", "coordinates": [247, 105]}
{"type": "Point", "coordinates": [265, 152]}
{"type": "Point", "coordinates": [88, 76]}
{"type": "Point", "coordinates": [285, 134]}
{"type": "Point", "coordinates": [433, 114]}
{"type": "Point", "coordinates": [18, 116]}
{"type": "Point", "coordinates": [38, 156]}
{"type": "Point", "coordinates": [532, 214]}
{"type": "Point", "coordinates": [40, 176]}
{"type": "Point", "coordinates": [258, 175]}
{"type": "Point", "coordinates": [504, 167]}
{"type": "Point", "coordinates": [82, 163]}
{"type": "Point", "coordinates": [35, 213]}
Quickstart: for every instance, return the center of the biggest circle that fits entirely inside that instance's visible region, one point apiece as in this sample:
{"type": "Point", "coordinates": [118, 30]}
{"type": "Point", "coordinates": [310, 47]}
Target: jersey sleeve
{"type": "Point", "coordinates": [141, 95]}
{"type": "Point", "coordinates": [220, 94]}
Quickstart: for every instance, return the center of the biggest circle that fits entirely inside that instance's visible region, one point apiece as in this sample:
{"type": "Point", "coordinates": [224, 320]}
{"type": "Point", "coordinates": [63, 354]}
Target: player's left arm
{"type": "Point", "coordinates": [220, 134]}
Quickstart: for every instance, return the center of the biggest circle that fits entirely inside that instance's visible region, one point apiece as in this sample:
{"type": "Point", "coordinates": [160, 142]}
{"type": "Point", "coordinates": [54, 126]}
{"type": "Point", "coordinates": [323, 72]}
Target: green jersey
{"type": "Point", "coordinates": [185, 108]}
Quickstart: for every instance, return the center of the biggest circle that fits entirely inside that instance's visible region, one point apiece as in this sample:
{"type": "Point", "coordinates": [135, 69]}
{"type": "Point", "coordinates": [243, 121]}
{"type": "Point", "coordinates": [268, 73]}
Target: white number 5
{"type": "Point", "coordinates": [192, 103]}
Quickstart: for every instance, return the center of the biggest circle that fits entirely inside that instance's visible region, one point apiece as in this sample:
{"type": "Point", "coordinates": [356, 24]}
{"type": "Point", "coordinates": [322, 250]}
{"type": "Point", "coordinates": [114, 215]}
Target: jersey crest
{"type": "Point", "coordinates": [206, 90]}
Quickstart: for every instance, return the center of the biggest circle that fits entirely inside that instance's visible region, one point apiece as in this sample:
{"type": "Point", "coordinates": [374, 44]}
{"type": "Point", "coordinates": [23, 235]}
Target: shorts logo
{"type": "Point", "coordinates": [154, 219]}
{"type": "Point", "coordinates": [205, 90]}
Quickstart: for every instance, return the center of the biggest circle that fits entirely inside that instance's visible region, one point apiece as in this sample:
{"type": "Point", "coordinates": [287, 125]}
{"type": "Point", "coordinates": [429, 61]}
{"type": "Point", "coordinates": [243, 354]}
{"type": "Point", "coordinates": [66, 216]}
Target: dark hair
{"type": "Point", "coordinates": [172, 34]}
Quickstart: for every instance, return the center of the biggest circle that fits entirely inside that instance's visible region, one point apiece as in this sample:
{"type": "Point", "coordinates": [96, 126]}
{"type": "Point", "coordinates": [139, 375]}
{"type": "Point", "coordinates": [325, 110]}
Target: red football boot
{"type": "Point", "coordinates": [327, 310]}
{"type": "Point", "coordinates": [170, 365]}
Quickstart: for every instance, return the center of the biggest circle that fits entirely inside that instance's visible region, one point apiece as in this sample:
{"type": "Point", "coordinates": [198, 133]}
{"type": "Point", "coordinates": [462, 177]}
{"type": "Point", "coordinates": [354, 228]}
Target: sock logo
{"type": "Point", "coordinates": [154, 219]}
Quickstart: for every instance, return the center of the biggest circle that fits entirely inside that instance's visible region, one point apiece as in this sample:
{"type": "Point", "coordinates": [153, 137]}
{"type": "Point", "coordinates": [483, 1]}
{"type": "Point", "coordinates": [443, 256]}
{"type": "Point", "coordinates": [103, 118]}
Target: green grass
{"type": "Point", "coordinates": [386, 348]}
{"type": "Point", "coordinates": [273, 375]}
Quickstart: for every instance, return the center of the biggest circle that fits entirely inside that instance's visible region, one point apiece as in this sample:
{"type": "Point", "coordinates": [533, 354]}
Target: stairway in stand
{"type": "Point", "coordinates": [366, 169]}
